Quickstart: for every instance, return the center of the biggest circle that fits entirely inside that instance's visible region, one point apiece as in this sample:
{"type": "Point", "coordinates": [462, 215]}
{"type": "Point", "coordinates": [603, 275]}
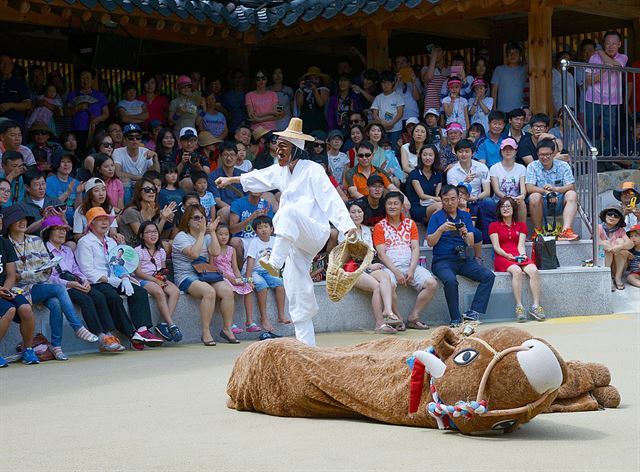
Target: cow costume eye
{"type": "Point", "coordinates": [465, 357]}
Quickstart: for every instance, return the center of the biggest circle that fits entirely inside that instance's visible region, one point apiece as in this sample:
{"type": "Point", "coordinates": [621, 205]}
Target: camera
{"type": "Point", "coordinates": [307, 84]}
{"type": "Point", "coordinates": [552, 199]}
{"type": "Point", "coordinates": [430, 48]}
{"type": "Point", "coordinates": [460, 252]}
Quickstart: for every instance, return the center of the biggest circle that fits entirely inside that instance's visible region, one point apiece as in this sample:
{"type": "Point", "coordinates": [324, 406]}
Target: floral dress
{"type": "Point", "coordinates": [223, 263]}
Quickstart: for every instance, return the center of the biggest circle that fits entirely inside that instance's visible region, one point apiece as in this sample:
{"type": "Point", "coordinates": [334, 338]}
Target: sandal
{"type": "Point", "coordinates": [207, 343]}
{"type": "Point", "coordinates": [620, 286]}
{"type": "Point", "coordinates": [417, 324]}
{"type": "Point", "coordinates": [228, 339]}
{"type": "Point", "coordinates": [384, 328]}
{"type": "Point", "coordinates": [393, 322]}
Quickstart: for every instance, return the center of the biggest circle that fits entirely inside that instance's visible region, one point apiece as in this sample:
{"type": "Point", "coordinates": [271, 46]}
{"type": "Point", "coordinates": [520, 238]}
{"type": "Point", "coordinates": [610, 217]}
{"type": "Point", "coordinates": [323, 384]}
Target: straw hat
{"type": "Point", "coordinates": [294, 131]}
{"type": "Point", "coordinates": [314, 70]}
{"type": "Point", "coordinates": [41, 126]}
{"type": "Point", "coordinates": [258, 133]}
{"type": "Point", "coordinates": [206, 139]}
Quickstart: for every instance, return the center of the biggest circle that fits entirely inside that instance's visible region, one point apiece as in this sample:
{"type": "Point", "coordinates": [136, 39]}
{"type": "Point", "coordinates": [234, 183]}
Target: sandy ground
{"type": "Point", "coordinates": [164, 409]}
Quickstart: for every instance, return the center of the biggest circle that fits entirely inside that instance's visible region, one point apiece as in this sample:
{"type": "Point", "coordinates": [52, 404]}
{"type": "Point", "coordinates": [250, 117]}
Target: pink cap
{"type": "Point", "coordinates": [508, 142]}
{"type": "Point", "coordinates": [183, 80]}
{"type": "Point", "coordinates": [454, 127]}
{"type": "Point", "coordinates": [479, 81]}
{"type": "Point", "coordinates": [454, 81]}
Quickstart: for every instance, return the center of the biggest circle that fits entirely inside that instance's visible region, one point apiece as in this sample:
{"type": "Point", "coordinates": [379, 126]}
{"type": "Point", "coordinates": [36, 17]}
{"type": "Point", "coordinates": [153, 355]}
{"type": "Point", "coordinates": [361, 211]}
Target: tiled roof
{"type": "Point", "coordinates": [243, 15]}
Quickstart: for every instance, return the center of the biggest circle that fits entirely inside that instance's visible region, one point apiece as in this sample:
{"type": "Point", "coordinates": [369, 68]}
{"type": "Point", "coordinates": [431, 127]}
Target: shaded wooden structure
{"type": "Point", "coordinates": [321, 26]}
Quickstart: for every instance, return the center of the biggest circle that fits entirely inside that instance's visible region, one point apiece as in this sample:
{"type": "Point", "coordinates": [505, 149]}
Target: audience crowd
{"type": "Point", "coordinates": [451, 148]}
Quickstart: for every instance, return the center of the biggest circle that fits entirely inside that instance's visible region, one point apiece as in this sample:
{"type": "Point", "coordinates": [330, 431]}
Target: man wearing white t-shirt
{"type": "Point", "coordinates": [508, 177]}
{"type": "Point", "coordinates": [475, 174]}
{"type": "Point", "coordinates": [133, 160]}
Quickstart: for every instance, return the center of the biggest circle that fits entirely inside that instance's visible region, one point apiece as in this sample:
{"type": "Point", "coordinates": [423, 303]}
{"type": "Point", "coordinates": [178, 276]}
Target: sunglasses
{"type": "Point", "coordinates": [613, 214]}
{"type": "Point", "coordinates": [149, 189]}
{"type": "Point", "coordinates": [40, 133]}
{"type": "Point", "coordinates": [134, 137]}
{"type": "Point", "coordinates": [318, 144]}
{"type": "Point", "coordinates": [107, 145]}
{"type": "Point", "coordinates": [260, 77]}
{"type": "Point", "coordinates": [354, 122]}
{"type": "Point", "coordinates": [197, 217]}
{"type": "Point", "coordinates": [364, 154]}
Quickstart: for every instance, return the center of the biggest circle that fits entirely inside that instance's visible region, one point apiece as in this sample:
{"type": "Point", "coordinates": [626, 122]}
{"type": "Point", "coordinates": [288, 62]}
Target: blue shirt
{"type": "Point", "coordinates": [167, 195]}
{"type": "Point", "coordinates": [17, 190]}
{"type": "Point", "coordinates": [428, 185]}
{"type": "Point", "coordinates": [243, 208]}
{"type": "Point", "coordinates": [559, 175]}
{"type": "Point", "coordinates": [449, 239]}
{"type": "Point", "coordinates": [56, 187]}
{"type": "Point", "coordinates": [227, 195]}
{"type": "Point", "coordinates": [489, 151]}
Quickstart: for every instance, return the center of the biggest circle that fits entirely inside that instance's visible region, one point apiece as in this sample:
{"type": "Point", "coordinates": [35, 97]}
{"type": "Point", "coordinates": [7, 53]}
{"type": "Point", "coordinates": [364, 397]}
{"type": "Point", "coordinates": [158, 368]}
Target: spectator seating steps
{"type": "Point", "coordinates": [566, 291]}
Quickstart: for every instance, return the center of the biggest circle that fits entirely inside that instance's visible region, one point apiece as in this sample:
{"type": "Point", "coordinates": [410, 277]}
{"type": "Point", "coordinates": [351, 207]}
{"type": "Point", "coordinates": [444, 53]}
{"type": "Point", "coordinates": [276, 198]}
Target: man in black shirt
{"type": "Point", "coordinates": [373, 203]}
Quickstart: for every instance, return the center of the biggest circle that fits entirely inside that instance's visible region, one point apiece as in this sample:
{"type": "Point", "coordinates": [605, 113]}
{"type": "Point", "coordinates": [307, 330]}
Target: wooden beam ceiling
{"type": "Point", "coordinates": [619, 9]}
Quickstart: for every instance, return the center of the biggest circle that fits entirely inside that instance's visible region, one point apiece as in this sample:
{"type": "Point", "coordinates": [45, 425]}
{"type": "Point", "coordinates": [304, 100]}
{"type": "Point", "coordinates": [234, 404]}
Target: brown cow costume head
{"type": "Point", "coordinates": [494, 380]}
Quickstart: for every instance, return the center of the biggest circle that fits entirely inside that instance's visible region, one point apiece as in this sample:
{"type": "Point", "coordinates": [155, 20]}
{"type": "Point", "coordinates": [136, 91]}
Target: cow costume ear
{"type": "Point", "coordinates": [444, 340]}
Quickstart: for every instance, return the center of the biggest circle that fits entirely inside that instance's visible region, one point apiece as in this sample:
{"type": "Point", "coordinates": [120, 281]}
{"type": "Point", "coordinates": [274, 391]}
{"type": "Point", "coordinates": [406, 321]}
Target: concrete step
{"type": "Point", "coordinates": [570, 253]}
{"type": "Point", "coordinates": [563, 294]}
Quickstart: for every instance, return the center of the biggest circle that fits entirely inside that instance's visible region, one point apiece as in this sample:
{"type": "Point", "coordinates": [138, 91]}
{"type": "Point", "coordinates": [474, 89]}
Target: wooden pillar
{"type": "Point", "coordinates": [634, 46]}
{"type": "Point", "coordinates": [377, 47]}
{"type": "Point", "coordinates": [540, 60]}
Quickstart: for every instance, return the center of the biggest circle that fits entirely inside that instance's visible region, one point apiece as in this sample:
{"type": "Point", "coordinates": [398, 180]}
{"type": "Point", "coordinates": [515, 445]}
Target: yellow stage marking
{"type": "Point", "coordinates": [588, 318]}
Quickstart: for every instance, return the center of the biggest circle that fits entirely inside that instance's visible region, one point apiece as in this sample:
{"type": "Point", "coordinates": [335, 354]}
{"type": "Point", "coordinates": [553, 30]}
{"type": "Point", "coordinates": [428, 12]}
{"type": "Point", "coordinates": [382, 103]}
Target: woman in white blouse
{"type": "Point", "coordinates": [375, 280]}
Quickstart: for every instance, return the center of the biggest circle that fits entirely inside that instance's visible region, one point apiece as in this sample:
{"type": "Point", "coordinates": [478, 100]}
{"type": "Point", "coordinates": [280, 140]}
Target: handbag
{"type": "Point", "coordinates": [40, 345]}
{"type": "Point", "coordinates": [206, 272]}
{"type": "Point", "coordinates": [544, 252]}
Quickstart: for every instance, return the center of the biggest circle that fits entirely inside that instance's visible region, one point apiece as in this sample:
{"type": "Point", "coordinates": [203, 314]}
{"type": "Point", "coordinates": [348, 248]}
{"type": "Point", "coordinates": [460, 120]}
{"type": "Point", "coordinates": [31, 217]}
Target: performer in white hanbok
{"type": "Point", "coordinates": [308, 203]}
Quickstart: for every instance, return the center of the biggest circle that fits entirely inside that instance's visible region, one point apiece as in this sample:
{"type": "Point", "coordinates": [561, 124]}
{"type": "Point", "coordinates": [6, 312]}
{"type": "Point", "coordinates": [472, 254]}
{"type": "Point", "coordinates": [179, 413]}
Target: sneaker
{"type": "Point", "coordinates": [137, 345]}
{"type": "Point", "coordinates": [521, 317]}
{"type": "Point", "coordinates": [568, 235]}
{"type": "Point", "coordinates": [266, 265]}
{"type": "Point", "coordinates": [147, 337]}
{"type": "Point", "coordinates": [268, 335]}
{"type": "Point", "coordinates": [236, 330]}
{"type": "Point", "coordinates": [175, 333]}
{"type": "Point", "coordinates": [86, 335]}
{"type": "Point", "coordinates": [537, 313]}
{"type": "Point", "coordinates": [57, 353]}
{"type": "Point", "coordinates": [111, 344]}
{"type": "Point", "coordinates": [455, 323]}
{"type": "Point", "coordinates": [253, 328]}
{"type": "Point", "coordinates": [3, 362]}
{"type": "Point", "coordinates": [163, 330]}
{"type": "Point", "coordinates": [29, 356]}
{"type": "Point", "coordinates": [471, 315]}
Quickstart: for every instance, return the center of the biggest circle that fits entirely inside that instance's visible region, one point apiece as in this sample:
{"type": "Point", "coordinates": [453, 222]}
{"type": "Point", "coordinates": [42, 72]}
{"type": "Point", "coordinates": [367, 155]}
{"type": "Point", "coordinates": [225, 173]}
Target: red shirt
{"type": "Point", "coordinates": [158, 109]}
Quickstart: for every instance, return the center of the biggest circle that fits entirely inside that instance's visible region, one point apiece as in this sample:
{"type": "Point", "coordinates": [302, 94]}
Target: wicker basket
{"type": "Point", "coordinates": [340, 282]}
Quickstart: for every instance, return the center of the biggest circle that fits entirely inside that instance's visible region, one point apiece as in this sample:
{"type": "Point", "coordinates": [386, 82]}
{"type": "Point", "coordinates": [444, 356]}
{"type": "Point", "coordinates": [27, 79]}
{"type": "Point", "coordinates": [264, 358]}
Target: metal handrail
{"type": "Point", "coordinates": [591, 220]}
{"type": "Point", "coordinates": [633, 70]}
{"type": "Point", "coordinates": [590, 215]}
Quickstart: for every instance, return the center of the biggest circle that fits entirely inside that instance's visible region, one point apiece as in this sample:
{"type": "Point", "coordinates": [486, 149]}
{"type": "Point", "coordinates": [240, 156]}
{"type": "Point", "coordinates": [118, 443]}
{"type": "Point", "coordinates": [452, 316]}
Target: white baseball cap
{"type": "Point", "coordinates": [188, 132]}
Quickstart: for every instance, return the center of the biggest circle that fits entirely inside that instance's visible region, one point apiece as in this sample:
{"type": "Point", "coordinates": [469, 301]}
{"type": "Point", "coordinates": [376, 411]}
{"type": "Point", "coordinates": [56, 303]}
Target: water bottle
{"type": "Point", "coordinates": [262, 204]}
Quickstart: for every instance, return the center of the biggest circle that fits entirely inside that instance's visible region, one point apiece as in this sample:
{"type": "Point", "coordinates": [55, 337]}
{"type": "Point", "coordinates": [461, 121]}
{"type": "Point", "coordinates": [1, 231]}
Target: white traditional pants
{"type": "Point", "coordinates": [298, 240]}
